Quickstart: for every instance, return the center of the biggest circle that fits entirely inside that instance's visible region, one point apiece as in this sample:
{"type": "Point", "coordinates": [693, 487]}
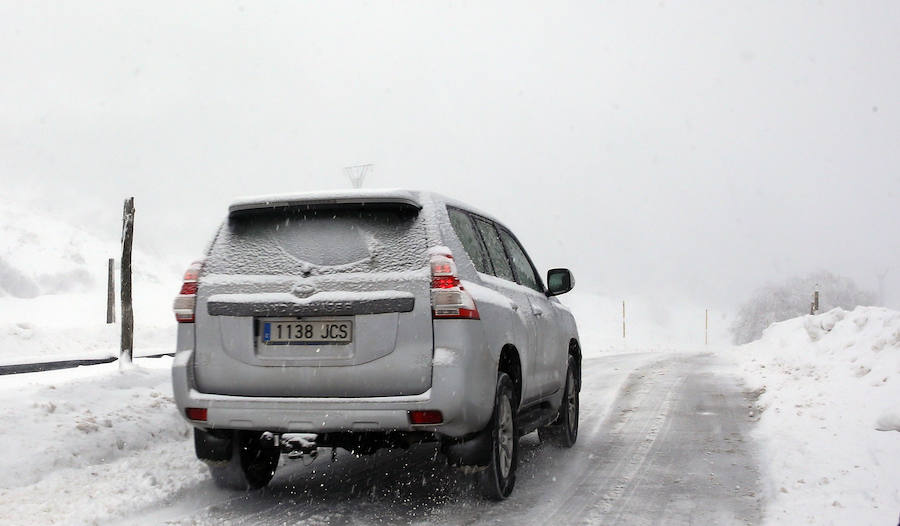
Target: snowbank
{"type": "Point", "coordinates": [830, 403]}
{"type": "Point", "coordinates": [53, 291]}
{"type": "Point", "coordinates": [81, 445]}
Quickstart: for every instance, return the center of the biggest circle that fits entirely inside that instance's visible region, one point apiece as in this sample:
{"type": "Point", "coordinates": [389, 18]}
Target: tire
{"type": "Point", "coordinates": [496, 482]}
{"type": "Point", "coordinates": [563, 432]}
{"type": "Point", "coordinates": [251, 465]}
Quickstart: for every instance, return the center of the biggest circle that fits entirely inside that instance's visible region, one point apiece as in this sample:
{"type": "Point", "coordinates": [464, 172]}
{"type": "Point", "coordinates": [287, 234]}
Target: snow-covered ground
{"type": "Point", "coordinates": [53, 291]}
{"type": "Point", "coordinates": [649, 325]}
{"type": "Point", "coordinates": [105, 442]}
{"type": "Point", "coordinates": [80, 445]}
{"type": "Point", "coordinates": [830, 416]}
{"type": "Point", "coordinates": [93, 444]}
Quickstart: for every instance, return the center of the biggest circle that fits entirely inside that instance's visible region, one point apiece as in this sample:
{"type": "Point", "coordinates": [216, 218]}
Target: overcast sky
{"type": "Point", "coordinates": [666, 149]}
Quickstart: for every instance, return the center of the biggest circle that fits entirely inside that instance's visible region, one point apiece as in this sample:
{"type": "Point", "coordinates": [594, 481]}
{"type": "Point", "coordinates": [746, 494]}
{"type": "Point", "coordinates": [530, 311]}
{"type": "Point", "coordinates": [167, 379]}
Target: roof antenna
{"type": "Point", "coordinates": [358, 173]}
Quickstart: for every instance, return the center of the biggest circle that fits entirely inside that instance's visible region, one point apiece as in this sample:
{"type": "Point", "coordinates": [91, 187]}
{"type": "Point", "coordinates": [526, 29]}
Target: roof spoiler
{"type": "Point", "coordinates": [392, 198]}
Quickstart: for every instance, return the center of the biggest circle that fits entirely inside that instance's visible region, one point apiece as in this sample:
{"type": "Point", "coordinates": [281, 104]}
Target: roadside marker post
{"type": "Point", "coordinates": [110, 291]}
{"type": "Point", "coordinates": [126, 349]}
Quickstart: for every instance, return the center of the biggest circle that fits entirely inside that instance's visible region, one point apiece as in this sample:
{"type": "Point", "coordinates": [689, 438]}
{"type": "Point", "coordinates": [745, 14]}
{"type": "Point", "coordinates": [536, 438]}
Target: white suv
{"type": "Point", "coordinates": [371, 319]}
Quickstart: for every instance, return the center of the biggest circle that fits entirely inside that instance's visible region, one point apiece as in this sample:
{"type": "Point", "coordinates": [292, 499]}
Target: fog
{"type": "Point", "coordinates": [670, 150]}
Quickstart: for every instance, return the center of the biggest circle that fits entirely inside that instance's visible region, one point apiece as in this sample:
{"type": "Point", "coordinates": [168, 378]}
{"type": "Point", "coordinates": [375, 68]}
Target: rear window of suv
{"type": "Point", "coordinates": [320, 241]}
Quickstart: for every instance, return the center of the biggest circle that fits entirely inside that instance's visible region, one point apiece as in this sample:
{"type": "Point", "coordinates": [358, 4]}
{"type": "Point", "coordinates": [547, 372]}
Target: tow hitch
{"type": "Point", "coordinates": [294, 445]}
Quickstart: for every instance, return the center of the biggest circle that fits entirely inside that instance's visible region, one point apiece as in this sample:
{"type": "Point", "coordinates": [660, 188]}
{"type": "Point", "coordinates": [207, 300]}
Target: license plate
{"type": "Point", "coordinates": [296, 332]}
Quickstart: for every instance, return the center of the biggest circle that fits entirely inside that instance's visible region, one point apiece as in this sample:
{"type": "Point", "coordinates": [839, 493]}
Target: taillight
{"type": "Point", "coordinates": [428, 417]}
{"type": "Point", "coordinates": [186, 300]}
{"type": "Point", "coordinates": [448, 297]}
{"type": "Point", "coordinates": [196, 413]}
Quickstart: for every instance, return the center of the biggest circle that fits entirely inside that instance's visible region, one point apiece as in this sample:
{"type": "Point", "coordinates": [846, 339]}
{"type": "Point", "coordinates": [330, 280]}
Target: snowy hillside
{"type": "Point", "coordinates": [830, 403]}
{"type": "Point", "coordinates": [53, 291]}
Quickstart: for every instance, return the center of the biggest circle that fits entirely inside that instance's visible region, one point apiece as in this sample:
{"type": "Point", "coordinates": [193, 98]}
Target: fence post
{"type": "Point", "coordinates": [110, 292]}
{"type": "Point", "coordinates": [126, 350]}
{"type": "Point", "coordinates": [814, 304]}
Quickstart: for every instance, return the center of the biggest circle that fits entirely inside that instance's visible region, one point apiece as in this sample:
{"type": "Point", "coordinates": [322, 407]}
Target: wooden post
{"type": "Point", "coordinates": [623, 319]}
{"type": "Point", "coordinates": [706, 330]}
{"type": "Point", "coordinates": [126, 350]}
{"type": "Point", "coordinates": [110, 292]}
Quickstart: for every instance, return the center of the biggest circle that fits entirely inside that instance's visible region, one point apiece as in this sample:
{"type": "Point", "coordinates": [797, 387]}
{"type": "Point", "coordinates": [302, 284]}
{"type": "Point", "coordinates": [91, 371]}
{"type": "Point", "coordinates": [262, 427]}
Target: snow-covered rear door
{"type": "Point", "coordinates": [354, 267]}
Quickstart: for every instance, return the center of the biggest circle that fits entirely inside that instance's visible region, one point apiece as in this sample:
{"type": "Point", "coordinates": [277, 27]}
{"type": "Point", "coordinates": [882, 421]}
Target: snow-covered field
{"type": "Point", "coordinates": [649, 325]}
{"type": "Point", "coordinates": [53, 291]}
{"type": "Point", "coordinates": [830, 417]}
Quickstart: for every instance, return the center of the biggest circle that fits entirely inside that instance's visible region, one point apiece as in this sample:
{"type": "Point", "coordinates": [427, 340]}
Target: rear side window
{"type": "Point", "coordinates": [520, 263]}
{"type": "Point", "coordinates": [495, 250]}
{"type": "Point", "coordinates": [471, 241]}
{"type": "Point", "coordinates": [308, 242]}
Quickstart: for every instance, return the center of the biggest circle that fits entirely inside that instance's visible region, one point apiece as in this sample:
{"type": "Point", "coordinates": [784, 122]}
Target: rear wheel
{"type": "Point", "coordinates": [250, 466]}
{"type": "Point", "coordinates": [497, 481]}
{"type": "Point", "coordinates": [563, 431]}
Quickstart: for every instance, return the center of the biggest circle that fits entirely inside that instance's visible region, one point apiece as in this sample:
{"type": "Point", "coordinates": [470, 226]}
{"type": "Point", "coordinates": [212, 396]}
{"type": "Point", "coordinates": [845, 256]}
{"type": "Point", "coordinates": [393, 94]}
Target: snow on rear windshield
{"type": "Point", "coordinates": [320, 242]}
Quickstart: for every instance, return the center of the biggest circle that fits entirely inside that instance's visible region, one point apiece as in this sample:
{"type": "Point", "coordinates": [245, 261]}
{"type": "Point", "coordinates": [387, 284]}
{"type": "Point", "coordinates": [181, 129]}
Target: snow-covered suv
{"type": "Point", "coordinates": [371, 319]}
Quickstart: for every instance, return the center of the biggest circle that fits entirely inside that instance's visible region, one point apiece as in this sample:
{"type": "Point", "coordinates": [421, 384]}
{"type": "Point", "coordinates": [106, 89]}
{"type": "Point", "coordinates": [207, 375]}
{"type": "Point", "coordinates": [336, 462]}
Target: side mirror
{"type": "Point", "coordinates": [559, 281]}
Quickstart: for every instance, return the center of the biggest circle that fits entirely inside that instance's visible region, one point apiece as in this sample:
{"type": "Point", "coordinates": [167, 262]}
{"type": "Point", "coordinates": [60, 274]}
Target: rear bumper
{"type": "Point", "coordinates": [462, 389]}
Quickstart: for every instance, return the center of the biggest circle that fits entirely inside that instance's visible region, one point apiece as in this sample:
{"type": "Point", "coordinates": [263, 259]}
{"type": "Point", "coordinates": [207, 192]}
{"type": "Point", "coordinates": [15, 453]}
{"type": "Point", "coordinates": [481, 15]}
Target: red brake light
{"type": "Point", "coordinates": [188, 288]}
{"type": "Point", "coordinates": [186, 300]}
{"type": "Point", "coordinates": [444, 282]}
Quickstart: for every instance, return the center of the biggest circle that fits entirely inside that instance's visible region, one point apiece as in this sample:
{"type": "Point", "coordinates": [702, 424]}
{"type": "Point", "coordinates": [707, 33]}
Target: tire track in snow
{"type": "Point", "coordinates": [686, 470]}
{"type": "Point", "coordinates": [663, 453]}
{"type": "Point", "coordinates": [636, 466]}
{"type": "Point", "coordinates": [537, 501]}
{"type": "Point", "coordinates": [701, 471]}
{"type": "Point", "coordinates": [608, 475]}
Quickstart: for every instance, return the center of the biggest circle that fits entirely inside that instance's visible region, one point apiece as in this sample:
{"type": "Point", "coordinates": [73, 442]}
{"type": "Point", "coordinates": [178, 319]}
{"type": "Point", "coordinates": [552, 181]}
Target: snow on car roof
{"type": "Point", "coordinates": [326, 197]}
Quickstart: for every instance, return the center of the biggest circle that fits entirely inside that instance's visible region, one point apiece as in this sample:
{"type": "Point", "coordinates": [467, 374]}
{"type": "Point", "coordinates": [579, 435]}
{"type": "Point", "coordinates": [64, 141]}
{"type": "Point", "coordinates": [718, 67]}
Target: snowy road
{"type": "Point", "coordinates": [662, 441]}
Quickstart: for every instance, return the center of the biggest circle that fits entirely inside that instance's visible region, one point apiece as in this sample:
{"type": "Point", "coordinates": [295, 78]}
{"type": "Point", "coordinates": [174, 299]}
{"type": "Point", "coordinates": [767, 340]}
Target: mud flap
{"type": "Point", "coordinates": [213, 446]}
{"type": "Point", "coordinates": [473, 450]}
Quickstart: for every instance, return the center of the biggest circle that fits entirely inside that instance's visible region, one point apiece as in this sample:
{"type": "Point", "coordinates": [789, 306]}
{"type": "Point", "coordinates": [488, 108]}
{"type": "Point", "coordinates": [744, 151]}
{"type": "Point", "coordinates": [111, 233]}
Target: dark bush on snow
{"type": "Point", "coordinates": [774, 303]}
